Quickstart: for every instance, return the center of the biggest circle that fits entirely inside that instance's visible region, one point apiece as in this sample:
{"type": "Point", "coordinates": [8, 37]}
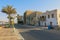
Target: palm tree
{"type": "Point", "coordinates": [9, 10]}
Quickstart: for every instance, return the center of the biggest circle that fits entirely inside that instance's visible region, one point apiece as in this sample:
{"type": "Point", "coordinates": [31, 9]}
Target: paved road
{"type": "Point", "coordinates": [31, 33]}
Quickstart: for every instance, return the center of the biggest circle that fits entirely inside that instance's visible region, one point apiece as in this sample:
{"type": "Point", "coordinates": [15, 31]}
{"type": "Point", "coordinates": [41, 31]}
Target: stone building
{"type": "Point", "coordinates": [31, 17]}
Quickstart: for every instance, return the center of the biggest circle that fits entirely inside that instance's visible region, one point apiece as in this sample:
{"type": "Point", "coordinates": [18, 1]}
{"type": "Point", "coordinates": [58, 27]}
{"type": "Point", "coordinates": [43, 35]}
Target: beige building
{"type": "Point", "coordinates": [31, 17]}
{"type": "Point", "coordinates": [26, 14]}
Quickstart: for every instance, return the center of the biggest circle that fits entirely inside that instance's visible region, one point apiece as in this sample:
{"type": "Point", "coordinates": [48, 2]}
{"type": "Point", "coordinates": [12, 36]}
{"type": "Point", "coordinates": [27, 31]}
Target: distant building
{"type": "Point", "coordinates": [3, 22]}
{"type": "Point", "coordinates": [20, 19]}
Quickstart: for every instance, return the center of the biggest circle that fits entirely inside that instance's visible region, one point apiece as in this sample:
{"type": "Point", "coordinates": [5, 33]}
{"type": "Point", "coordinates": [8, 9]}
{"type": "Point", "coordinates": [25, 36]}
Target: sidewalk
{"type": "Point", "coordinates": [7, 34]}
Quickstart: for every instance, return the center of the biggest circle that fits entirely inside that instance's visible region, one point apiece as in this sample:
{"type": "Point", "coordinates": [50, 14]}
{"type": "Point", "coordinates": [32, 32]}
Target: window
{"type": "Point", "coordinates": [42, 16]}
{"type": "Point", "coordinates": [48, 16]}
{"type": "Point", "coordinates": [52, 15]}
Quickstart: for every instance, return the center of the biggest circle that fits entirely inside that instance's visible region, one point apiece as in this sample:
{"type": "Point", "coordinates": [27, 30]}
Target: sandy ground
{"type": "Point", "coordinates": [7, 34]}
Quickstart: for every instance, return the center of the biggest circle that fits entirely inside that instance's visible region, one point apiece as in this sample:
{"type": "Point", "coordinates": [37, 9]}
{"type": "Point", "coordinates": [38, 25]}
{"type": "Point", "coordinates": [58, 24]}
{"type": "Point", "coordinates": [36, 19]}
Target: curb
{"type": "Point", "coordinates": [19, 36]}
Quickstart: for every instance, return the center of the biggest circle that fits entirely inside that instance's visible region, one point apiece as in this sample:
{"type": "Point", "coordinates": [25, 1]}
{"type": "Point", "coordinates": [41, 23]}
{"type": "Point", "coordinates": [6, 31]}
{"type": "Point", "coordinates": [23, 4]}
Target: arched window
{"type": "Point", "coordinates": [48, 16]}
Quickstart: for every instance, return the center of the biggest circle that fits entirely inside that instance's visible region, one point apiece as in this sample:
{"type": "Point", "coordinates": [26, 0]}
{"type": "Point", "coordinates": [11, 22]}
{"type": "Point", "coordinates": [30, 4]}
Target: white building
{"type": "Point", "coordinates": [51, 18]}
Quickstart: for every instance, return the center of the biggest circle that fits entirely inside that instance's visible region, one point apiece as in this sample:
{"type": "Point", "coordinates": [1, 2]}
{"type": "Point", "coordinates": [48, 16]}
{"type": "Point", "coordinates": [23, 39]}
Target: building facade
{"type": "Point", "coordinates": [51, 18]}
{"type": "Point", "coordinates": [26, 15]}
{"type": "Point", "coordinates": [31, 17]}
{"type": "Point", "coordinates": [43, 19]}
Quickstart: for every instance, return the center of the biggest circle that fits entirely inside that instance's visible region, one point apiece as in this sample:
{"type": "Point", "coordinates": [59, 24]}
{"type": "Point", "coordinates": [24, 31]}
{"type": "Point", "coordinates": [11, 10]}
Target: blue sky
{"type": "Point", "coordinates": [23, 5]}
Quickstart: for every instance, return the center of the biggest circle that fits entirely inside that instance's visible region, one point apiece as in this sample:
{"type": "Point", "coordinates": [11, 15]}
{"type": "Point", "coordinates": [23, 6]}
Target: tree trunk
{"type": "Point", "coordinates": [9, 21]}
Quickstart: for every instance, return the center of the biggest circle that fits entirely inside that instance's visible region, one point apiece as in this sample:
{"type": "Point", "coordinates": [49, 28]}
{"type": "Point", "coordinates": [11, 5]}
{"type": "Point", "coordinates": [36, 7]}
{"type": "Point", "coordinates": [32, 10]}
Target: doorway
{"type": "Point", "coordinates": [45, 24]}
{"type": "Point", "coordinates": [51, 23]}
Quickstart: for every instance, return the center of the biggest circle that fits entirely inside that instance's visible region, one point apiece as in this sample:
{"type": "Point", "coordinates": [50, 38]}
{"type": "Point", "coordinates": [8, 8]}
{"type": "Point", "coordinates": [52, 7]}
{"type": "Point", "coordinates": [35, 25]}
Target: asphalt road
{"type": "Point", "coordinates": [30, 33]}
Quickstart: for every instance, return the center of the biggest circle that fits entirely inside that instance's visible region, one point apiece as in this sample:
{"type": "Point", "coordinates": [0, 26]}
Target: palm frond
{"type": "Point", "coordinates": [9, 10]}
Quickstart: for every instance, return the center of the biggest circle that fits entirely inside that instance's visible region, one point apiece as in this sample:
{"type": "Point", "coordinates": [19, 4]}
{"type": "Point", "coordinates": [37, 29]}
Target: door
{"type": "Point", "coordinates": [45, 24]}
{"type": "Point", "coordinates": [51, 23]}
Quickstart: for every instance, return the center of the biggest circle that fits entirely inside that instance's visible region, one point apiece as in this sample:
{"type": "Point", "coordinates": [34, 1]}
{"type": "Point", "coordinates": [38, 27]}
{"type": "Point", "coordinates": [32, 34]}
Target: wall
{"type": "Point", "coordinates": [53, 20]}
{"type": "Point", "coordinates": [48, 20]}
{"type": "Point", "coordinates": [58, 18]}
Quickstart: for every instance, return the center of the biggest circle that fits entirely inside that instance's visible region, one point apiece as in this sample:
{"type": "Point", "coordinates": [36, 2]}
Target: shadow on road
{"type": "Point", "coordinates": [18, 26]}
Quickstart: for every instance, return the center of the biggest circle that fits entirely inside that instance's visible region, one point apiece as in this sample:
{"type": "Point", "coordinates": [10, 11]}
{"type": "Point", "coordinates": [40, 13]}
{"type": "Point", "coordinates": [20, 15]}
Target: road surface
{"type": "Point", "coordinates": [34, 33]}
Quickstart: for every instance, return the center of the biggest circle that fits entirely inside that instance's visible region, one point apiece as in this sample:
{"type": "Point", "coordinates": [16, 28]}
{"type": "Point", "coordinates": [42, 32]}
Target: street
{"type": "Point", "coordinates": [34, 33]}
